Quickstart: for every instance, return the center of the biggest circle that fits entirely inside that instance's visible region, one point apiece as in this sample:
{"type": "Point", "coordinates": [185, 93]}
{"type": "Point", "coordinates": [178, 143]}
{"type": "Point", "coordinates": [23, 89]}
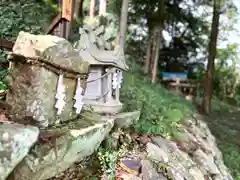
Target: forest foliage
{"type": "Point", "coordinates": [188, 25]}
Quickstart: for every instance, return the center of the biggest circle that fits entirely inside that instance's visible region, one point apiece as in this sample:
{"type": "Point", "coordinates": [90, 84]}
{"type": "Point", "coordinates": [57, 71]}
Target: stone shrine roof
{"type": "Point", "coordinates": [95, 48]}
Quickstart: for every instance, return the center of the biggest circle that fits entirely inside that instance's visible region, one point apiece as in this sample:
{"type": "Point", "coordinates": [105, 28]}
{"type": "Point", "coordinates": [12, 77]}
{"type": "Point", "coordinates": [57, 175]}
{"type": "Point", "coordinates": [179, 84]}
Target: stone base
{"type": "Point", "coordinates": [70, 145]}
{"type": "Point", "coordinates": [106, 108]}
{"type": "Point", "coordinates": [123, 120]}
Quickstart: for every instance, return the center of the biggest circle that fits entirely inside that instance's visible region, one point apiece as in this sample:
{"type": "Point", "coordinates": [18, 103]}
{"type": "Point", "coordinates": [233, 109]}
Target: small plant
{"type": "Point", "coordinates": [90, 178]}
{"type": "Point", "coordinates": [228, 142]}
{"type": "Point", "coordinates": [231, 156]}
{"type": "Point", "coordinates": [108, 160]}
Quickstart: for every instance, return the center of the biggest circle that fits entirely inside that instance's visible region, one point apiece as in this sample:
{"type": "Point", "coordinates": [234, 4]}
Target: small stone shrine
{"type": "Point", "coordinates": [50, 84]}
{"type": "Point", "coordinates": [47, 79]}
{"type": "Point", "coordinates": [106, 66]}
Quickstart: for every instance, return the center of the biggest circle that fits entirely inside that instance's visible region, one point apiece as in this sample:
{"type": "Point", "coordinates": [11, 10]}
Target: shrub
{"type": "Point", "coordinates": [161, 111]}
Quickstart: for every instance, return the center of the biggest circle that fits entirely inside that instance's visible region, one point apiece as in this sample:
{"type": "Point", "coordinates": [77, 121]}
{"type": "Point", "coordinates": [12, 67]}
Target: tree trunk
{"type": "Point", "coordinates": [154, 50]}
{"type": "Point", "coordinates": [148, 53]}
{"type": "Point", "coordinates": [156, 56]}
{"type": "Point", "coordinates": [81, 14]}
{"type": "Point", "coordinates": [102, 7]}
{"type": "Point", "coordinates": [212, 46]}
{"type": "Point", "coordinates": [92, 8]}
{"type": "Point", "coordinates": [158, 30]}
{"type": "Point", "coordinates": [123, 23]}
{"type": "Point", "coordinates": [76, 9]}
{"type": "Point", "coordinates": [116, 42]}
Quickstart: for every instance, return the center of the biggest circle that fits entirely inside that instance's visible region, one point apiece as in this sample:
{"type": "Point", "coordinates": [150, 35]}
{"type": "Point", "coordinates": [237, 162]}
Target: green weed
{"type": "Point", "coordinates": [161, 111]}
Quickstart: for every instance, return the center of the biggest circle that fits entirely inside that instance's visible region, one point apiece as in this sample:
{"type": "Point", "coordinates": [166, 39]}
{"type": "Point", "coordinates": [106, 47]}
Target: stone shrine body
{"type": "Point", "coordinates": [106, 66]}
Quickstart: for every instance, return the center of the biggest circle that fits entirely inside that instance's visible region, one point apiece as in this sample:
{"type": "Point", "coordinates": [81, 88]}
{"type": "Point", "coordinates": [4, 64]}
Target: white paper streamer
{"type": "Point", "coordinates": [120, 78]}
{"type": "Point", "coordinates": [115, 80]}
{"type": "Point", "coordinates": [60, 95]}
{"type": "Point", "coordinates": [78, 97]}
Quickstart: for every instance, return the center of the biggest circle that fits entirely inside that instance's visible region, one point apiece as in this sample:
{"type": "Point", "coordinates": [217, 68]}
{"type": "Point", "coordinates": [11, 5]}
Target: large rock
{"type": "Point", "coordinates": [166, 145]}
{"type": "Point", "coordinates": [179, 165]}
{"type": "Point", "coordinates": [207, 161]}
{"type": "Point", "coordinates": [70, 145]}
{"type": "Point", "coordinates": [36, 62]}
{"type": "Point", "coordinates": [194, 158]}
{"type": "Point", "coordinates": [15, 143]}
{"type": "Point", "coordinates": [149, 172]}
{"type": "Point", "coordinates": [157, 154]}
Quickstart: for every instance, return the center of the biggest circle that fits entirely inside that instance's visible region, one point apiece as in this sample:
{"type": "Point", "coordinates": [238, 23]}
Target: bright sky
{"type": "Point", "coordinates": [236, 38]}
{"type": "Point", "coordinates": [232, 37]}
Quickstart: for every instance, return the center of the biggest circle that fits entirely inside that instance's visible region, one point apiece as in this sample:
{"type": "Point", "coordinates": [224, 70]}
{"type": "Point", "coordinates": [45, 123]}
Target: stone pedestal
{"type": "Point", "coordinates": [71, 144]}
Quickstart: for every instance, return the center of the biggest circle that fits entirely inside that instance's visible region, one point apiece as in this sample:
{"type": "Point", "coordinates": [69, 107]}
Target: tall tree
{"type": "Point", "coordinates": [156, 55]}
{"type": "Point", "coordinates": [92, 8]}
{"type": "Point", "coordinates": [148, 53]}
{"type": "Point", "coordinates": [78, 10]}
{"type": "Point", "coordinates": [123, 23]}
{"type": "Point", "coordinates": [102, 7]}
{"type": "Point", "coordinates": [212, 49]}
{"type": "Point", "coordinates": [157, 38]}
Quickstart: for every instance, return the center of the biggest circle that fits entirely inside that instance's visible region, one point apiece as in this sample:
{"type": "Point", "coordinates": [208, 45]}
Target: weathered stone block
{"type": "Point", "coordinates": [15, 142]}
{"type": "Point", "coordinates": [73, 145]}
{"type": "Point", "coordinates": [36, 63]}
